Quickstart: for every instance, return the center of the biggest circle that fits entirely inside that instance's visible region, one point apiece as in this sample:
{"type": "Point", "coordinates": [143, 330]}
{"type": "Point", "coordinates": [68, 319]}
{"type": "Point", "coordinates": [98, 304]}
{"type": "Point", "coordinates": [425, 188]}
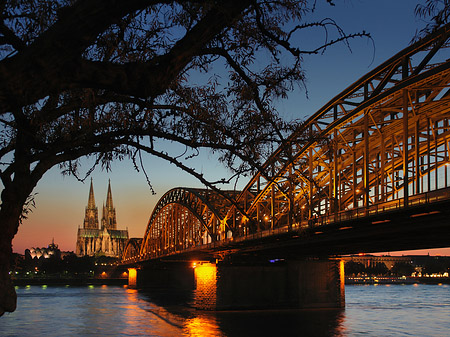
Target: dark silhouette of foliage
{"type": "Point", "coordinates": [402, 269]}
{"type": "Point", "coordinates": [52, 265]}
{"type": "Point", "coordinates": [378, 269]}
{"type": "Point", "coordinates": [436, 265]}
{"type": "Point", "coordinates": [353, 268]}
{"type": "Point", "coordinates": [437, 12]}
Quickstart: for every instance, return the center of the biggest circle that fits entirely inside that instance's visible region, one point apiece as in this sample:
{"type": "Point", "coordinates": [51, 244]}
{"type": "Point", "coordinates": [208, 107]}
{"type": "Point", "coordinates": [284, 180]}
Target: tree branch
{"type": "Point", "coordinates": [11, 38]}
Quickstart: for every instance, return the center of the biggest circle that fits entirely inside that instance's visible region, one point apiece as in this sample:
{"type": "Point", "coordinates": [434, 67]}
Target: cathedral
{"type": "Point", "coordinates": [105, 240]}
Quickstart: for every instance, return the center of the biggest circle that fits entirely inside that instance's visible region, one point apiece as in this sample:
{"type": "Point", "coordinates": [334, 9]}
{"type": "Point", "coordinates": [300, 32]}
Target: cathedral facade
{"type": "Point", "coordinates": [104, 238]}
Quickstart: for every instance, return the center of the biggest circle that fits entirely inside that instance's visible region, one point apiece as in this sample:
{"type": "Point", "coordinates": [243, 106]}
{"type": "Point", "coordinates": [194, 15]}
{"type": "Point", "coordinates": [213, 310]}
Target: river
{"type": "Point", "coordinates": [371, 310]}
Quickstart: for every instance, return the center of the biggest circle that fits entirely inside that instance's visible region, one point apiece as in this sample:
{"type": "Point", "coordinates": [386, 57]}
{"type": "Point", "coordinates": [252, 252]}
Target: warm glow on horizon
{"type": "Point", "coordinates": [59, 214]}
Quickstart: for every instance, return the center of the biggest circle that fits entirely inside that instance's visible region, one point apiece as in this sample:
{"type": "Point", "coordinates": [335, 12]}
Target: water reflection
{"type": "Point", "coordinates": [418, 310]}
{"type": "Point", "coordinates": [289, 322]}
{"type": "Point", "coordinates": [145, 318]}
{"type": "Point", "coordinates": [174, 309]}
{"type": "Point", "coordinates": [119, 311]}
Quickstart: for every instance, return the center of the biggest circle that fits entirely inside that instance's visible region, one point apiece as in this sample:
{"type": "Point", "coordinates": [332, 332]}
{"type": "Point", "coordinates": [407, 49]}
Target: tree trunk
{"type": "Point", "coordinates": [8, 297]}
{"type": "Point", "coordinates": [14, 198]}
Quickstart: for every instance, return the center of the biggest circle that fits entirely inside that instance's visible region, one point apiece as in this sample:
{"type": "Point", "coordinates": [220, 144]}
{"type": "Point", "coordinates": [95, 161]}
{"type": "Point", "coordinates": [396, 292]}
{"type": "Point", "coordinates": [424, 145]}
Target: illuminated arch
{"type": "Point", "coordinates": [184, 218]}
{"type": "Point", "coordinates": [132, 248]}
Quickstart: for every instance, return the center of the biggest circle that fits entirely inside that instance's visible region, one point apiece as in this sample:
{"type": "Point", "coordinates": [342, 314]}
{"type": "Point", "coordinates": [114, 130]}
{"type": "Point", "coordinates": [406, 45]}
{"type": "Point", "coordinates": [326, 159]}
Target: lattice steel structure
{"type": "Point", "coordinates": [383, 139]}
{"type": "Point", "coordinates": [132, 248]}
{"type": "Point", "coordinates": [185, 218]}
{"type": "Point", "coordinates": [382, 142]}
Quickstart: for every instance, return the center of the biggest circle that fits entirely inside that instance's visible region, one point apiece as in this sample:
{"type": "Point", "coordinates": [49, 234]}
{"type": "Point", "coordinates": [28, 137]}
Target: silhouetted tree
{"type": "Point", "coordinates": [76, 265]}
{"type": "Point", "coordinates": [353, 268]}
{"type": "Point", "coordinates": [377, 269]}
{"type": "Point", "coordinates": [436, 11]}
{"type": "Point", "coordinates": [436, 265]}
{"type": "Point", "coordinates": [402, 269]}
{"type": "Point", "coordinates": [51, 265]}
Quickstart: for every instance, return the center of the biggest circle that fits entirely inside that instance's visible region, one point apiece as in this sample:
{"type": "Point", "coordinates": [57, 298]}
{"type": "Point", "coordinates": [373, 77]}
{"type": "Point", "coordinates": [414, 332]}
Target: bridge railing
{"type": "Point", "coordinates": [380, 208]}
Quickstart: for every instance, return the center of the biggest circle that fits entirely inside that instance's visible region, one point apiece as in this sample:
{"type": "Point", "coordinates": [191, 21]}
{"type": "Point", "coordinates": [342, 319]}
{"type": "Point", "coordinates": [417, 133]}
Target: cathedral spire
{"type": "Point", "coordinates": [109, 212]}
{"type": "Point", "coordinates": [91, 201]}
{"type": "Point", "coordinates": [91, 212]}
{"type": "Point", "coordinates": [109, 201]}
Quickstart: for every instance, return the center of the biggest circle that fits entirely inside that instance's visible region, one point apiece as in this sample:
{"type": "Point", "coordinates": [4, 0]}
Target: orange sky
{"type": "Point", "coordinates": [61, 201]}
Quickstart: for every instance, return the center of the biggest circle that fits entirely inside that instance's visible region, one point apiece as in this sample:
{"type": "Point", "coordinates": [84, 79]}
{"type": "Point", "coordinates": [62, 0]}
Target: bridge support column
{"type": "Point", "coordinates": [287, 284]}
{"type": "Point", "coordinates": [133, 278]}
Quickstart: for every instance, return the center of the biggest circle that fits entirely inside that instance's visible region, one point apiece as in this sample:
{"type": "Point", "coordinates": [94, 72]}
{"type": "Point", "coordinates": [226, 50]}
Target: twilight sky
{"type": "Point", "coordinates": [60, 201]}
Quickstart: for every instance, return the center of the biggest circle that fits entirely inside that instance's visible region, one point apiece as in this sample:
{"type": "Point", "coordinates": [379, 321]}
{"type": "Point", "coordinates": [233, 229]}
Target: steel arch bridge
{"type": "Point", "coordinates": [382, 143]}
{"type": "Point", "coordinates": [185, 218]}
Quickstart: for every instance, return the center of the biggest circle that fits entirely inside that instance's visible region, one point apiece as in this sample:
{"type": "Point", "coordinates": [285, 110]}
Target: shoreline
{"type": "Point", "coordinates": [74, 282]}
{"type": "Point", "coordinates": [369, 280]}
{"type": "Point", "coordinates": [396, 280]}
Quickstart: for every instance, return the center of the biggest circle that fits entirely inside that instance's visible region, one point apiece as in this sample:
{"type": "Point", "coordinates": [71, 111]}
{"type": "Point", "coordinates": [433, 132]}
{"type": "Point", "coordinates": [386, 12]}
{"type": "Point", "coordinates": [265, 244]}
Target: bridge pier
{"type": "Point", "coordinates": [162, 275]}
{"type": "Point", "coordinates": [287, 284]}
{"type": "Point", "coordinates": [133, 278]}
{"type": "Point", "coordinates": [228, 286]}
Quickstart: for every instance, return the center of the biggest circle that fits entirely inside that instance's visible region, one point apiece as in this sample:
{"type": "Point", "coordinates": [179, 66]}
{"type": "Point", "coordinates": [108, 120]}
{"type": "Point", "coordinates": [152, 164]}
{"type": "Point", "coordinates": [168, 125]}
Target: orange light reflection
{"type": "Point", "coordinates": [205, 325]}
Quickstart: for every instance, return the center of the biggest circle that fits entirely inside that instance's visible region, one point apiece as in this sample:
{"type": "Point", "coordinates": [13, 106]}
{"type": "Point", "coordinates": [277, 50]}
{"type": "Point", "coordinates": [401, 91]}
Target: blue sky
{"type": "Point", "coordinates": [61, 200]}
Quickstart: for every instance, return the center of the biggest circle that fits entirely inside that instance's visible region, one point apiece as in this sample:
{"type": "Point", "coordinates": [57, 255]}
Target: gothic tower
{"type": "Point", "coordinates": [91, 212]}
{"type": "Point", "coordinates": [109, 212]}
{"type": "Point", "coordinates": [107, 240]}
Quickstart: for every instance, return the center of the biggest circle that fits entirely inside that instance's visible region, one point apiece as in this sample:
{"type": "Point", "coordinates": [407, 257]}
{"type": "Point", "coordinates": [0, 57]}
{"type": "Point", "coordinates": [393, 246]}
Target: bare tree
{"type": "Point", "coordinates": [112, 79]}
{"type": "Point", "coordinates": [436, 12]}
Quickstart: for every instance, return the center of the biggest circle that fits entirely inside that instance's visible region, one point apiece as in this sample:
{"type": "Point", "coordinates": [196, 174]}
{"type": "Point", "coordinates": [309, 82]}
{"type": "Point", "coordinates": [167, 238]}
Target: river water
{"type": "Point", "coordinates": [371, 310]}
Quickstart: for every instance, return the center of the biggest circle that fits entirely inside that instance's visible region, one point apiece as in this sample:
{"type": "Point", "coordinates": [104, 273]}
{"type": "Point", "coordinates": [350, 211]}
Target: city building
{"type": "Point", "coordinates": [104, 239]}
{"type": "Point", "coordinates": [372, 260]}
{"type": "Point", "coordinates": [38, 253]}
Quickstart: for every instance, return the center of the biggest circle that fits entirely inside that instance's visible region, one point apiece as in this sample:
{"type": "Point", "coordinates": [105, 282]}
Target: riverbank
{"type": "Point", "coordinates": [70, 281]}
{"type": "Point", "coordinates": [396, 280]}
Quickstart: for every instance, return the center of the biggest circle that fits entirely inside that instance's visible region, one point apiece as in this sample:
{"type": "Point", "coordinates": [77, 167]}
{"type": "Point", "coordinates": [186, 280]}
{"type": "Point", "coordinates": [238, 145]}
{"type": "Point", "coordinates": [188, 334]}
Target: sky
{"type": "Point", "coordinates": [61, 200]}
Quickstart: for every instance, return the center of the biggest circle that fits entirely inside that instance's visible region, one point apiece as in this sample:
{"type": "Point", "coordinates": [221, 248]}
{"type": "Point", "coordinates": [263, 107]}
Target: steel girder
{"type": "Point", "coordinates": [384, 138]}
{"type": "Point", "coordinates": [185, 218]}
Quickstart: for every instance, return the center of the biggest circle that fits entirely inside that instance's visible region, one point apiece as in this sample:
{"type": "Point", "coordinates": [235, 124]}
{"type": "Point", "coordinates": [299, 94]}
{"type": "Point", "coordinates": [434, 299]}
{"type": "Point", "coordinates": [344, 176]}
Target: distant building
{"type": "Point", "coordinates": [372, 260]}
{"type": "Point", "coordinates": [105, 240]}
{"type": "Point", "coordinates": [51, 250]}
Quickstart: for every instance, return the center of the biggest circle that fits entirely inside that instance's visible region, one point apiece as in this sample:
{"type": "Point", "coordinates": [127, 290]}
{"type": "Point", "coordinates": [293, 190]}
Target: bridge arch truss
{"type": "Point", "coordinates": [382, 142]}
{"type": "Point", "coordinates": [132, 248]}
{"type": "Point", "coordinates": [185, 218]}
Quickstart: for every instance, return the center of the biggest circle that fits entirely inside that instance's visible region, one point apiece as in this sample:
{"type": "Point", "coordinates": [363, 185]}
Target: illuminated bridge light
{"type": "Point", "coordinates": [381, 221]}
